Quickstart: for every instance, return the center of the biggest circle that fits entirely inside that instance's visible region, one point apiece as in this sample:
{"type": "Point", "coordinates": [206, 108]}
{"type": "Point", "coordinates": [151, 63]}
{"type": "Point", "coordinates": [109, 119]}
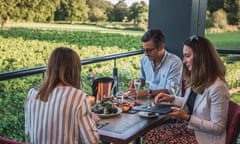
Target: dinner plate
{"type": "Point", "coordinates": [156, 108]}
{"type": "Point", "coordinates": [111, 114]}
{"type": "Point", "coordinates": [148, 114]}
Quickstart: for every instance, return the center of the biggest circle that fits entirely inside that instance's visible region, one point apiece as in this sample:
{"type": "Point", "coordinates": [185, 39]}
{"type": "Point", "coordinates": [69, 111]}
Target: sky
{"type": "Point", "coordinates": [129, 2]}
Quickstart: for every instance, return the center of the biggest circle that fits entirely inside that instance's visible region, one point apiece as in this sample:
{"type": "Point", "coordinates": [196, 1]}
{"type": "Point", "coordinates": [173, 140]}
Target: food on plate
{"type": "Point", "coordinates": [105, 107]}
{"type": "Point", "coordinates": [126, 107]}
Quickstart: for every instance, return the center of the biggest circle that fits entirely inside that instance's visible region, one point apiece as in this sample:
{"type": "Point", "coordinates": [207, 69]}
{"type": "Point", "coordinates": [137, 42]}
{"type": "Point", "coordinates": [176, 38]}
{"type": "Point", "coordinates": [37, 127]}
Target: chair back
{"type": "Point", "coordinates": [102, 87]}
{"type": "Point", "coordinates": [8, 141]}
{"type": "Point", "coordinates": [233, 123]}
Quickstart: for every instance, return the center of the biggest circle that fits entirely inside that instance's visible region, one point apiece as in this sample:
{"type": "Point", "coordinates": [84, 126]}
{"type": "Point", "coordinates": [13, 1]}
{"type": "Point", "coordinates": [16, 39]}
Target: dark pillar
{"type": "Point", "coordinates": [178, 19]}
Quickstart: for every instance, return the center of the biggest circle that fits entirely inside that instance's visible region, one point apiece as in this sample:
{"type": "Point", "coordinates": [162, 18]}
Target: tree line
{"type": "Point", "coordinates": [219, 12]}
{"type": "Point", "coordinates": [230, 8]}
{"type": "Point", "coordinates": [71, 10]}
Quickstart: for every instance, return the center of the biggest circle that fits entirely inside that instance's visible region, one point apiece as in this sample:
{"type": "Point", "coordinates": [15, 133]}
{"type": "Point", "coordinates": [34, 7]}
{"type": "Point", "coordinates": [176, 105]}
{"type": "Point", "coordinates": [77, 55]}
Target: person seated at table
{"type": "Point", "coordinates": [158, 67]}
{"type": "Point", "coordinates": [204, 106]}
{"type": "Point", "coordinates": [58, 111]}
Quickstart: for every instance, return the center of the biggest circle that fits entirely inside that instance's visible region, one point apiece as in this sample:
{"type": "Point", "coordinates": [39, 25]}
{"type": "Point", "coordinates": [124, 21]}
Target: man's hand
{"type": "Point", "coordinates": [131, 84]}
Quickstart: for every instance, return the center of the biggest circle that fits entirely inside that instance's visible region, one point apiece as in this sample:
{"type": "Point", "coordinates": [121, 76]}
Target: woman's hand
{"type": "Point", "coordinates": [179, 113]}
{"type": "Point", "coordinates": [162, 97]}
{"type": "Point", "coordinates": [95, 117]}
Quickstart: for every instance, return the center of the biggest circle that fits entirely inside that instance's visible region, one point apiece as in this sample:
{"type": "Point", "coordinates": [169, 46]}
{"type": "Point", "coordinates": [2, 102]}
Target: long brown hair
{"type": "Point", "coordinates": [206, 67]}
{"type": "Point", "coordinates": [64, 67]}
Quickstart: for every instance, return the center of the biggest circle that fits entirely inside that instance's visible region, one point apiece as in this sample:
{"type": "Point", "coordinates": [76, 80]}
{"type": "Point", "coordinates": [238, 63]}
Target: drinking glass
{"type": "Point", "coordinates": [120, 93]}
{"type": "Point", "coordinates": [174, 86]}
{"type": "Point", "coordinates": [147, 84]}
{"type": "Point", "coordinates": [137, 85]}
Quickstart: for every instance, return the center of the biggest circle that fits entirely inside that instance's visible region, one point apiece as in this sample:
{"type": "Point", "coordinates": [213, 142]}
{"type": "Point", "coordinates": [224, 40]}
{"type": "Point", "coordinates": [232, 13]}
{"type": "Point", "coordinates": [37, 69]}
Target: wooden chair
{"type": "Point", "coordinates": [8, 141]}
{"type": "Point", "coordinates": [233, 123]}
{"type": "Point", "coordinates": [102, 87]}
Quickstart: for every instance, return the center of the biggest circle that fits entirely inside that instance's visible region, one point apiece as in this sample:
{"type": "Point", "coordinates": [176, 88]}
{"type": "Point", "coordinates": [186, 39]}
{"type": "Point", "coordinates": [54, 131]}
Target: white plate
{"type": "Point", "coordinates": [165, 103]}
{"type": "Point", "coordinates": [147, 114]}
{"type": "Point", "coordinates": [110, 115]}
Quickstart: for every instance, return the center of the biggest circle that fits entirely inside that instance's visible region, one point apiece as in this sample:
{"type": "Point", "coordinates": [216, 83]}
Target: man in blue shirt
{"type": "Point", "coordinates": [159, 68]}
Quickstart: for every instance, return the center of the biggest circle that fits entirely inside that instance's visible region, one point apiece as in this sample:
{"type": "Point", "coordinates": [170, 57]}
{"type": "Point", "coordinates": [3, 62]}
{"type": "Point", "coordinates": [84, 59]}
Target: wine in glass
{"type": "Point", "coordinates": [147, 84]}
{"type": "Point", "coordinates": [137, 85]}
{"type": "Point", "coordinates": [174, 86]}
{"type": "Point", "coordinates": [120, 93]}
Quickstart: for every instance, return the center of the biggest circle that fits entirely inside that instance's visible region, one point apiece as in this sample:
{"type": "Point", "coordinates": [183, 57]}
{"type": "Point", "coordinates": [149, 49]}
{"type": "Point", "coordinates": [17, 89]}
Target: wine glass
{"type": "Point", "coordinates": [147, 84]}
{"type": "Point", "coordinates": [137, 85]}
{"type": "Point", "coordinates": [174, 86]}
{"type": "Point", "coordinates": [120, 93]}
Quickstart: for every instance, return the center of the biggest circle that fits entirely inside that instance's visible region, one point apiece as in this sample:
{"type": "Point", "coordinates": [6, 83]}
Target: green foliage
{"type": "Point", "coordinates": [233, 74]}
{"type": "Point", "coordinates": [13, 93]}
{"type": "Point", "coordinates": [138, 12]}
{"type": "Point", "coordinates": [232, 8]}
{"type": "Point", "coordinates": [216, 19]}
{"type": "Point", "coordinates": [75, 10]}
{"type": "Point", "coordinates": [120, 11]}
{"type": "Point", "coordinates": [209, 20]}
{"type": "Point", "coordinates": [7, 10]}
{"type": "Point", "coordinates": [26, 48]}
{"type": "Point", "coordinates": [214, 5]}
{"type": "Point", "coordinates": [100, 10]}
{"type": "Point", "coordinates": [97, 14]}
{"type": "Point", "coordinates": [220, 19]}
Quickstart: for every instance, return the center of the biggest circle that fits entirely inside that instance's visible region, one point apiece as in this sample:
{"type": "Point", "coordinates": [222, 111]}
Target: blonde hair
{"type": "Point", "coordinates": [207, 65]}
{"type": "Point", "coordinates": [64, 67]}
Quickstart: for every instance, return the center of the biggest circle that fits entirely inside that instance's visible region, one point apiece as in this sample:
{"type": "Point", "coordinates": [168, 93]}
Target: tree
{"type": "Point", "coordinates": [214, 5]}
{"type": "Point", "coordinates": [97, 14]}
{"type": "Point", "coordinates": [232, 7]}
{"type": "Point", "coordinates": [138, 12]}
{"type": "Point", "coordinates": [73, 10]}
{"type": "Point", "coordinates": [30, 10]}
{"type": "Point", "coordinates": [220, 19]}
{"type": "Point", "coordinates": [99, 9]}
{"type": "Point", "coordinates": [120, 11]}
{"type": "Point", "coordinates": [7, 10]}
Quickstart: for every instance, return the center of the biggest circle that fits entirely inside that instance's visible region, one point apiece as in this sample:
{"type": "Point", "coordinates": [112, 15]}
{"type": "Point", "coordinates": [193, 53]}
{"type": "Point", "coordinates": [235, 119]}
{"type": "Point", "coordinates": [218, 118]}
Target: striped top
{"type": "Point", "coordinates": [64, 119]}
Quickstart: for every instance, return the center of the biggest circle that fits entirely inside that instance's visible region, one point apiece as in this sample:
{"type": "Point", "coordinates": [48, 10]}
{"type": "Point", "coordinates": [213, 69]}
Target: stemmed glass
{"type": "Point", "coordinates": [147, 84]}
{"type": "Point", "coordinates": [137, 85]}
{"type": "Point", "coordinates": [174, 86]}
{"type": "Point", "coordinates": [120, 93]}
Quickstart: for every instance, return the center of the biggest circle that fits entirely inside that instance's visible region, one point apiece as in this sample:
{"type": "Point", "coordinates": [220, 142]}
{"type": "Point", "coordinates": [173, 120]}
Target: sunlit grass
{"type": "Point", "coordinates": [225, 40]}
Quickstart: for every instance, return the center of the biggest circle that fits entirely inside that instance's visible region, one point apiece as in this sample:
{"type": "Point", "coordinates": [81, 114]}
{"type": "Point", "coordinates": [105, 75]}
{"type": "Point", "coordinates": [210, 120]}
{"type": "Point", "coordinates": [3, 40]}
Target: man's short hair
{"type": "Point", "coordinates": [156, 35]}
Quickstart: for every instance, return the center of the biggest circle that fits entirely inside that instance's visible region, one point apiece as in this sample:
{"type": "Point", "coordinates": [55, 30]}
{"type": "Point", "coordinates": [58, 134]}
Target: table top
{"type": "Point", "coordinates": [127, 127]}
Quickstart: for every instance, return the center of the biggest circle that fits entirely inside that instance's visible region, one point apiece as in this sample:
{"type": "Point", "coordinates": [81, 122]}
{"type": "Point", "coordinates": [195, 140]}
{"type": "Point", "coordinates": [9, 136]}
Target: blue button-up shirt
{"type": "Point", "coordinates": [167, 72]}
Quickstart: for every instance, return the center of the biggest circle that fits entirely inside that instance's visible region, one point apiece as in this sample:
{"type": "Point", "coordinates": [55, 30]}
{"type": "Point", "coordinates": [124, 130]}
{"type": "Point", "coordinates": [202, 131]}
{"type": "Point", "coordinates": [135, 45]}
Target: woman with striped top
{"type": "Point", "coordinates": [58, 112]}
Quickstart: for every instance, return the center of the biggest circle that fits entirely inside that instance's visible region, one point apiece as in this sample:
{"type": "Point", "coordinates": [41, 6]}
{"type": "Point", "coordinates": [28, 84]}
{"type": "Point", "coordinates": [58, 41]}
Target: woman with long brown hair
{"type": "Point", "coordinates": [204, 106]}
{"type": "Point", "coordinates": [58, 111]}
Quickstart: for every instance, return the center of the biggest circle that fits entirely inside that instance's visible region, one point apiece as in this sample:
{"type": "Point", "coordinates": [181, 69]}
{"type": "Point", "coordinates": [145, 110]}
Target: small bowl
{"type": "Point", "coordinates": [92, 100]}
{"type": "Point", "coordinates": [126, 107]}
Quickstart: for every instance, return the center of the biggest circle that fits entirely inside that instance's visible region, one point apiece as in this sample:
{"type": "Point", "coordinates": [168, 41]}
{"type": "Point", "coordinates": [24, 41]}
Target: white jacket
{"type": "Point", "coordinates": [210, 111]}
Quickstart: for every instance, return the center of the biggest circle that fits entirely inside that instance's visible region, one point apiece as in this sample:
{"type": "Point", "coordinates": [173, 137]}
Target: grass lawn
{"type": "Point", "coordinates": [226, 40]}
{"type": "Point", "coordinates": [82, 27]}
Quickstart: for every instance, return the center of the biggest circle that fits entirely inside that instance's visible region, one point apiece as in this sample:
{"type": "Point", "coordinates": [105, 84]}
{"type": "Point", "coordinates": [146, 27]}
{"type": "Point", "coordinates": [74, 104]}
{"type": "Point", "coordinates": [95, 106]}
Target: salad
{"type": "Point", "coordinates": [106, 106]}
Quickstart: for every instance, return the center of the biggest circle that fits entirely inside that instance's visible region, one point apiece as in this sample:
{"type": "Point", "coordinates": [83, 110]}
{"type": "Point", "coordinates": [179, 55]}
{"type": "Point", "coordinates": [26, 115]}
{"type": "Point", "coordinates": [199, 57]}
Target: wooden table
{"type": "Point", "coordinates": [126, 127]}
